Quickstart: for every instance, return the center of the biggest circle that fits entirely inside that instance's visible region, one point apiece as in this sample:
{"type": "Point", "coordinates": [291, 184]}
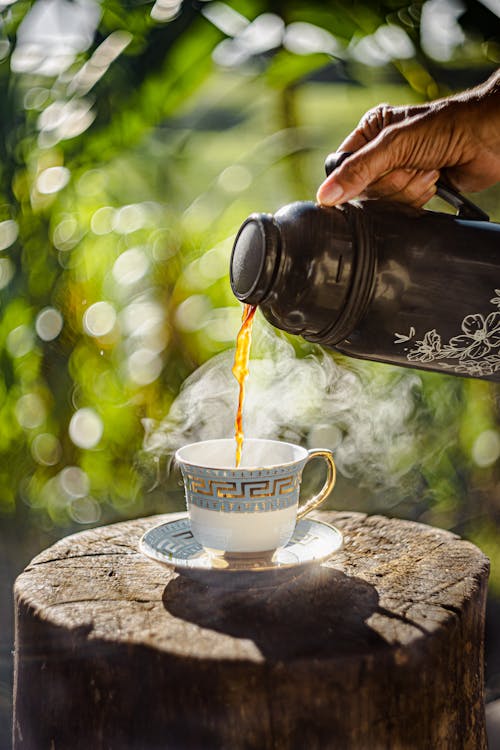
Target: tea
{"type": "Point", "coordinates": [240, 372]}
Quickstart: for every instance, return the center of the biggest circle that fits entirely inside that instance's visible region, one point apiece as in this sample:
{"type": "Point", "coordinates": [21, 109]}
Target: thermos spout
{"type": "Point", "coordinates": [296, 265]}
{"type": "Point", "coordinates": [254, 258]}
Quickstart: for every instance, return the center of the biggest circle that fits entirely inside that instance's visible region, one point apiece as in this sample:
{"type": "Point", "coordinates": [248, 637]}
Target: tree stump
{"type": "Point", "coordinates": [380, 648]}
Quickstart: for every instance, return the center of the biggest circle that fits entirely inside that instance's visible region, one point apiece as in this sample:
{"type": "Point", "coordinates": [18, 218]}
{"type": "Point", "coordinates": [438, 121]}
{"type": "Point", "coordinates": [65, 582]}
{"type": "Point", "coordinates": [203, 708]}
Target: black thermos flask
{"type": "Point", "coordinates": [378, 280]}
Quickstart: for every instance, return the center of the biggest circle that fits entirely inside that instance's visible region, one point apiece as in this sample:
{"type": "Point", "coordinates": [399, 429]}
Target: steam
{"type": "Point", "coordinates": [365, 418]}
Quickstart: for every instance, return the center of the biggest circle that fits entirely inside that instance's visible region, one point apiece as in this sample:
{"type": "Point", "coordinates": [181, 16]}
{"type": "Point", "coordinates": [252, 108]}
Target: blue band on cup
{"type": "Point", "coordinates": [251, 491]}
{"type": "Point", "coordinates": [241, 506]}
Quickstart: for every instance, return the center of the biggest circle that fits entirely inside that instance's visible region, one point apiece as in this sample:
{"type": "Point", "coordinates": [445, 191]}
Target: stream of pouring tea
{"type": "Point", "coordinates": [240, 372]}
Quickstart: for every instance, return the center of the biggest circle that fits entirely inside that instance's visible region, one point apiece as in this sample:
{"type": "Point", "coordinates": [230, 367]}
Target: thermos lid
{"type": "Point", "coordinates": [254, 258]}
{"type": "Point", "coordinates": [296, 265]}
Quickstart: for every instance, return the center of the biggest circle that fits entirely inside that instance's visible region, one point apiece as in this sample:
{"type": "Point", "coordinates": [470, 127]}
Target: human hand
{"type": "Point", "coordinates": [399, 152]}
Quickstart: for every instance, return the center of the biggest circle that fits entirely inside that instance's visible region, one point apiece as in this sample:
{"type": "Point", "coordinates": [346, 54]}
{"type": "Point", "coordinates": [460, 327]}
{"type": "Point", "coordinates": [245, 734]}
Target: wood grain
{"type": "Point", "coordinates": [381, 647]}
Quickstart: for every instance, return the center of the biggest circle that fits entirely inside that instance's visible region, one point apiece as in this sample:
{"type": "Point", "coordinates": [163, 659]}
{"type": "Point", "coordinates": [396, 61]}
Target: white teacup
{"type": "Point", "coordinates": [252, 509]}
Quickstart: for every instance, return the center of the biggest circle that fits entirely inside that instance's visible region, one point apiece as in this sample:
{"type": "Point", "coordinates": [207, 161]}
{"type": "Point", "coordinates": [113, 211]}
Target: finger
{"type": "Point", "coordinates": [401, 145]}
{"type": "Point", "coordinates": [391, 183]}
{"type": "Point", "coordinates": [425, 197]}
{"type": "Point", "coordinates": [354, 141]}
{"type": "Point", "coordinates": [404, 186]}
{"type": "Point", "coordinates": [414, 200]}
{"type": "Point", "coordinates": [375, 120]}
{"type": "Point", "coordinates": [417, 201]}
{"type": "Point", "coordinates": [368, 128]}
{"type": "Point", "coordinates": [354, 175]}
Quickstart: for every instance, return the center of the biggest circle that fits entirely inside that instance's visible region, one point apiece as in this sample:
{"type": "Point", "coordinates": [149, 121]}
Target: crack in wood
{"type": "Point", "coordinates": [76, 557]}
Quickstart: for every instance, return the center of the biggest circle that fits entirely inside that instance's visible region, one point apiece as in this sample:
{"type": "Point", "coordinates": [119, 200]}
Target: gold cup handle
{"type": "Point", "coordinates": [316, 500]}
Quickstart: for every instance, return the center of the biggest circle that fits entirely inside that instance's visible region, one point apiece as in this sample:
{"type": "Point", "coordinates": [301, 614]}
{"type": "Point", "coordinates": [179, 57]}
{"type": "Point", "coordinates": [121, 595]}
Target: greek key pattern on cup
{"type": "Point", "coordinates": [243, 495]}
{"type": "Point", "coordinates": [242, 489]}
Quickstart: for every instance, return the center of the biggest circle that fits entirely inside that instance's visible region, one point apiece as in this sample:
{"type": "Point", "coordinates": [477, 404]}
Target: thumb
{"type": "Point", "coordinates": [363, 167]}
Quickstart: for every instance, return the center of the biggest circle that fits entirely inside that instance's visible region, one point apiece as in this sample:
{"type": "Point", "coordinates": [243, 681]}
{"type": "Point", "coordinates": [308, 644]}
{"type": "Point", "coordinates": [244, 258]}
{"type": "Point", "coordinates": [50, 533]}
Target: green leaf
{"type": "Point", "coordinates": [287, 69]}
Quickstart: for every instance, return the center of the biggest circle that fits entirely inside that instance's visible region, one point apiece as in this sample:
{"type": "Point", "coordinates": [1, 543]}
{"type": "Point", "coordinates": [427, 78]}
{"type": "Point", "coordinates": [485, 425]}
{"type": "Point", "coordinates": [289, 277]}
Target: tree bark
{"type": "Point", "coordinates": [380, 648]}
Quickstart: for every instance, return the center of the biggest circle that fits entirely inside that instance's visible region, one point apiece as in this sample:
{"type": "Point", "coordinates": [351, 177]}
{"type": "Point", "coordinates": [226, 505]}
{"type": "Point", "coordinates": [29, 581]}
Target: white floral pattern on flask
{"type": "Point", "coordinates": [477, 347]}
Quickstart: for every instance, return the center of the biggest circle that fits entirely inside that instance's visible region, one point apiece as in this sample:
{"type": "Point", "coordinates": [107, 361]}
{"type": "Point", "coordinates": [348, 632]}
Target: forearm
{"type": "Point", "coordinates": [490, 114]}
{"type": "Point", "coordinates": [479, 108]}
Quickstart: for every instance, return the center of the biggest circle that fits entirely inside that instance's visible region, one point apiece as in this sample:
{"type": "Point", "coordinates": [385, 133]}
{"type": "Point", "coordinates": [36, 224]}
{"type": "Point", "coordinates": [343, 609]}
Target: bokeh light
{"type": "Point", "coordinates": [306, 39]}
{"type": "Point", "coordinates": [221, 324]}
{"type": "Point", "coordinates": [20, 341]}
{"type": "Point", "coordinates": [51, 34]}
{"type": "Point", "coordinates": [63, 120]}
{"type": "Point", "coordinates": [142, 317]}
{"type": "Point", "coordinates": [85, 510]}
{"type": "Point", "coordinates": [74, 481]}
{"type": "Point", "coordinates": [102, 220]}
{"type": "Point", "coordinates": [264, 33]}
{"type": "Point", "coordinates": [128, 219]}
{"type": "Point", "coordinates": [235, 179]}
{"type": "Point", "coordinates": [99, 319]}
{"type": "Point", "coordinates": [440, 32]}
{"type": "Point", "coordinates": [36, 97]}
{"type": "Point", "coordinates": [30, 411]}
{"type": "Point", "coordinates": [131, 266]}
{"type": "Point", "coordinates": [486, 448]}
{"type": "Point", "coordinates": [9, 231]}
{"type": "Point", "coordinates": [46, 449]}
{"type": "Point", "coordinates": [144, 366]}
{"type": "Point", "coordinates": [66, 234]}
{"type": "Point", "coordinates": [192, 312]}
{"type": "Point", "coordinates": [52, 180]}
{"type": "Point", "coordinates": [96, 67]}
{"type": "Point", "coordinates": [214, 263]}
{"type": "Point", "coordinates": [7, 271]}
{"type": "Point", "coordinates": [86, 428]}
{"type": "Point", "coordinates": [49, 323]}
{"type": "Point", "coordinates": [165, 10]}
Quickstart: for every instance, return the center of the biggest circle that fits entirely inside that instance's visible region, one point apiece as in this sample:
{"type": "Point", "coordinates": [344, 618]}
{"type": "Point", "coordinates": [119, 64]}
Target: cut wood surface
{"type": "Point", "coordinates": [381, 647]}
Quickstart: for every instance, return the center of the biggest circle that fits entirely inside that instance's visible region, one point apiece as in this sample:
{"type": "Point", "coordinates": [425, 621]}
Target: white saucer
{"type": "Point", "coordinates": [172, 544]}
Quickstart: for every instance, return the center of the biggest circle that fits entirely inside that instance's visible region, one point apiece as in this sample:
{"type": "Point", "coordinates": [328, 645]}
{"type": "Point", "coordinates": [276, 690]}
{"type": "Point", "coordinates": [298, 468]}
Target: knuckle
{"type": "Point", "coordinates": [372, 121]}
{"type": "Point", "coordinates": [386, 114]}
{"type": "Point", "coordinates": [362, 133]}
{"type": "Point", "coordinates": [379, 116]}
{"type": "Point", "coordinates": [378, 111]}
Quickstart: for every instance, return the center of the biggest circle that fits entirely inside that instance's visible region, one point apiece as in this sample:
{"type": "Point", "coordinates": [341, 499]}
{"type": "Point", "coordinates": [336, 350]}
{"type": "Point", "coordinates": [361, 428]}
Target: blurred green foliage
{"type": "Point", "coordinates": [134, 139]}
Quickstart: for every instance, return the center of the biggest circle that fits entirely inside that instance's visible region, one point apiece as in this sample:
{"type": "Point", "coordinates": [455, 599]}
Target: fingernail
{"type": "Point", "coordinates": [432, 177]}
{"type": "Point", "coordinates": [329, 193]}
